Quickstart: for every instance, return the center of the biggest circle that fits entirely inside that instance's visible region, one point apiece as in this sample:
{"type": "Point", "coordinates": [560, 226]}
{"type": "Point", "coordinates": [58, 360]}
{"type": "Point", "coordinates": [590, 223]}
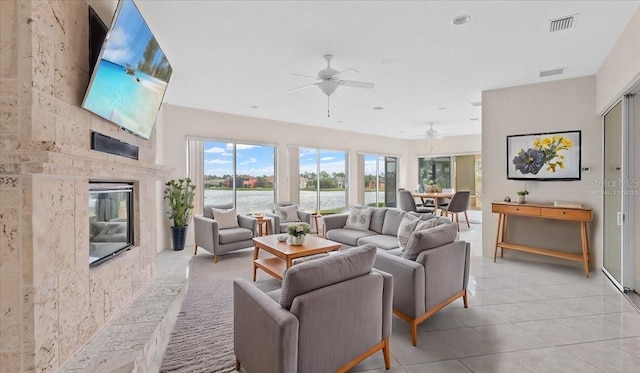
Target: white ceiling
{"type": "Point", "coordinates": [228, 56]}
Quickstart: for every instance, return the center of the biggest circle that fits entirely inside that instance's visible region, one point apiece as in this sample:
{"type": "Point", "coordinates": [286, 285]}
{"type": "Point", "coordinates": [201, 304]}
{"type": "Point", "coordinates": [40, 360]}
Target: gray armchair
{"type": "Point", "coordinates": [281, 227]}
{"type": "Point", "coordinates": [438, 276]}
{"type": "Point", "coordinates": [220, 241]}
{"type": "Point", "coordinates": [332, 313]}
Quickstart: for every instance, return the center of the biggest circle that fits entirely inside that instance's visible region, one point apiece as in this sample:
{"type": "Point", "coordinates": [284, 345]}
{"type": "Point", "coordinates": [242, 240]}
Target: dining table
{"type": "Point", "coordinates": [433, 196]}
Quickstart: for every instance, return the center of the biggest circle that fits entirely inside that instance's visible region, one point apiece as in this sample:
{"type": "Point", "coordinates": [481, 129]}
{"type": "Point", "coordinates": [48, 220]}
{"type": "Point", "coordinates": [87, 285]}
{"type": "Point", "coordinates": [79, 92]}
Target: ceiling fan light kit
{"type": "Point", "coordinates": [329, 81]}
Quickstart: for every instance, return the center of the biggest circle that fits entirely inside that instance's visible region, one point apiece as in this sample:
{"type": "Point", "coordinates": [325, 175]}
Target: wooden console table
{"type": "Point", "coordinates": [580, 215]}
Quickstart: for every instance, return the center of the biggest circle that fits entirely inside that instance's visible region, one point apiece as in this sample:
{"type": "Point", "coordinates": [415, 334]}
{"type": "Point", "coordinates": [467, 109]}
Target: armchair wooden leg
{"type": "Point", "coordinates": [237, 364]}
{"type": "Point", "coordinates": [195, 252]}
{"type": "Point", "coordinates": [467, 218]}
{"type": "Point", "coordinates": [215, 259]}
{"type": "Point", "coordinates": [414, 332]}
{"type": "Point", "coordinates": [464, 299]}
{"type": "Point", "coordinates": [387, 354]}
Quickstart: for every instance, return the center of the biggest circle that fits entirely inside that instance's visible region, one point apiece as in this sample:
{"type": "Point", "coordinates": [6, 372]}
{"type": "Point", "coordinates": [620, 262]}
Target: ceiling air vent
{"type": "Point", "coordinates": [551, 72]}
{"type": "Point", "coordinates": [563, 23]}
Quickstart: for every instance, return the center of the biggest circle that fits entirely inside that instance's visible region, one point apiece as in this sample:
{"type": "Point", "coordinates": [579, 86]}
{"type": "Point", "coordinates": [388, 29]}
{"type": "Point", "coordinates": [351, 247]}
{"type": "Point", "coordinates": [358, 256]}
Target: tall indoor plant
{"type": "Point", "coordinates": [179, 196]}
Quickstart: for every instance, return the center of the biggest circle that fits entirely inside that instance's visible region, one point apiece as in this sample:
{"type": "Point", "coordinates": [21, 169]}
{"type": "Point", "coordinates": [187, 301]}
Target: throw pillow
{"type": "Point", "coordinates": [359, 219]}
{"type": "Point", "coordinates": [430, 238]}
{"type": "Point", "coordinates": [287, 214]}
{"type": "Point", "coordinates": [225, 218]}
{"type": "Point", "coordinates": [406, 228]}
{"type": "Point", "coordinates": [426, 224]}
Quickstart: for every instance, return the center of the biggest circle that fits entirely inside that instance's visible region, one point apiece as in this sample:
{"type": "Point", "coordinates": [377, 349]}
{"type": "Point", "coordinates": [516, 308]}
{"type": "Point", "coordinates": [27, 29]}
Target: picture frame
{"type": "Point", "coordinates": [544, 156]}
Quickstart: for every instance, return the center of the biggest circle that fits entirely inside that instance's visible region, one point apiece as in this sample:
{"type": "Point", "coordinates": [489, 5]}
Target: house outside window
{"type": "Point", "coordinates": [240, 174]}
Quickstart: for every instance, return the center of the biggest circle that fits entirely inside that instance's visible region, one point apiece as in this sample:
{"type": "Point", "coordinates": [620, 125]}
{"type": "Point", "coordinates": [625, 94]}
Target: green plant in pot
{"type": "Point", "coordinates": [521, 196]}
{"type": "Point", "coordinates": [179, 196]}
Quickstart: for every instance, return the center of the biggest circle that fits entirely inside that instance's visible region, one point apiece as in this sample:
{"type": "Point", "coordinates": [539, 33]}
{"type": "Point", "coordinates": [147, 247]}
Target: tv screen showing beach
{"type": "Point", "coordinates": [131, 75]}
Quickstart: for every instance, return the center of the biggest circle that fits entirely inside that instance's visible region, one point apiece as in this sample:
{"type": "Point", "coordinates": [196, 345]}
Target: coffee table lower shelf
{"type": "Point", "coordinates": [273, 266]}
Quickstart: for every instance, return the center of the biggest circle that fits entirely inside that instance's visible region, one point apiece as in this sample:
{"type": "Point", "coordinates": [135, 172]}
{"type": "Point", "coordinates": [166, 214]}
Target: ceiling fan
{"type": "Point", "coordinates": [329, 80]}
{"type": "Point", "coordinates": [431, 133]}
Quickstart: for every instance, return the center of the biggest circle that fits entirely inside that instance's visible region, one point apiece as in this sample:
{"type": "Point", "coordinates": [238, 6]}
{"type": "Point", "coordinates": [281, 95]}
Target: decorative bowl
{"type": "Point", "coordinates": [282, 237]}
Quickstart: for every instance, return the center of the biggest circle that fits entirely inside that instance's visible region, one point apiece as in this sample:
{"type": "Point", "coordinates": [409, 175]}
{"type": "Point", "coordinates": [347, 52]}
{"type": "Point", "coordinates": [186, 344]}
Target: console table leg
{"type": "Point", "coordinates": [495, 251]}
{"type": "Point", "coordinates": [585, 247]}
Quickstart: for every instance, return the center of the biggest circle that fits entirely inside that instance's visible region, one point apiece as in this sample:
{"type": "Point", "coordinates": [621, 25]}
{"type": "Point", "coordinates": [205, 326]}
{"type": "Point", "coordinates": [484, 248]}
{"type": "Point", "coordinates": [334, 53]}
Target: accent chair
{"type": "Point", "coordinates": [331, 313]}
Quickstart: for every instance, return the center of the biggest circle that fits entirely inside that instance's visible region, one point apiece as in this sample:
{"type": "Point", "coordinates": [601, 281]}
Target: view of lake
{"type": "Point", "coordinates": [262, 200]}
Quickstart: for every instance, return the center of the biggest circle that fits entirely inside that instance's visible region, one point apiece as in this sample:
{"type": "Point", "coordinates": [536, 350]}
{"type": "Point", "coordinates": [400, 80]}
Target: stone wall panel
{"type": "Point", "coordinates": [46, 326]}
{"type": "Point", "coordinates": [10, 362]}
{"type": "Point", "coordinates": [9, 115]}
{"type": "Point", "coordinates": [42, 64]}
{"type": "Point", "coordinates": [8, 40]}
{"type": "Point", "coordinates": [53, 235]}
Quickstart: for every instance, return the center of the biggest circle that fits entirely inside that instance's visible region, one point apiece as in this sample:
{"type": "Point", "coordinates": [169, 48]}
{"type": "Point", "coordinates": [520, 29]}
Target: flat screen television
{"type": "Point", "coordinates": [131, 74]}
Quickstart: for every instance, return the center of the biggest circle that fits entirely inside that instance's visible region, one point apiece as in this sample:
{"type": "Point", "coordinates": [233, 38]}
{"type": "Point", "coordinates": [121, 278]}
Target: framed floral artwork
{"type": "Point", "coordinates": [544, 156]}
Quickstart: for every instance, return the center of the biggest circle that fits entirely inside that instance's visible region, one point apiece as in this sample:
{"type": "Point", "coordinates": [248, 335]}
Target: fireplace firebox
{"type": "Point", "coordinates": [110, 220]}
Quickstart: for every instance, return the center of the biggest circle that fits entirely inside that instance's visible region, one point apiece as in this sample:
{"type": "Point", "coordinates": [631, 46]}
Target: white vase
{"type": "Point", "coordinates": [296, 240]}
{"type": "Point", "coordinates": [521, 200]}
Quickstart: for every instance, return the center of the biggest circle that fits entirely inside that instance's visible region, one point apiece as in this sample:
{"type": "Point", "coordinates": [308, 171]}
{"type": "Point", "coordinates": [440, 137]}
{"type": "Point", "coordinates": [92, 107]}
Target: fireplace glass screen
{"type": "Point", "coordinates": [110, 220]}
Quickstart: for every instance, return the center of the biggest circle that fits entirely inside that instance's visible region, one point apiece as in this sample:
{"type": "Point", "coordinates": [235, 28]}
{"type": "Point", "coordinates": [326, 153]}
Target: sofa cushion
{"type": "Point", "coordinates": [208, 213]}
{"type": "Point", "coordinates": [380, 241]}
{"type": "Point", "coordinates": [348, 236]}
{"type": "Point", "coordinates": [429, 238]}
{"type": "Point", "coordinates": [225, 218]}
{"type": "Point", "coordinates": [425, 224]}
{"type": "Point", "coordinates": [359, 219]}
{"type": "Point", "coordinates": [392, 221]}
{"type": "Point", "coordinates": [287, 214]}
{"type": "Point", "coordinates": [230, 235]}
{"type": "Point", "coordinates": [315, 274]}
{"type": "Point", "coordinates": [406, 228]}
{"type": "Point", "coordinates": [377, 219]}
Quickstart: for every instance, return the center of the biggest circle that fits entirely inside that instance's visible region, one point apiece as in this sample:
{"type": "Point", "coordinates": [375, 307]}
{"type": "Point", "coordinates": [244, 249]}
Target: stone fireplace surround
{"type": "Point", "coordinates": [51, 302]}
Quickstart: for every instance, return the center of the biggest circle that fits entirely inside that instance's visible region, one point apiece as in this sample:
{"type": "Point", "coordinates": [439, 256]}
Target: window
{"type": "Point", "coordinates": [240, 174]}
{"type": "Point", "coordinates": [435, 171]}
{"type": "Point", "coordinates": [380, 180]}
{"type": "Point", "coordinates": [323, 180]}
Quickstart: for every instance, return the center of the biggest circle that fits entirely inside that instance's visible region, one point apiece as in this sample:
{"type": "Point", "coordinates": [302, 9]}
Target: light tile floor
{"type": "Point", "coordinates": [523, 316]}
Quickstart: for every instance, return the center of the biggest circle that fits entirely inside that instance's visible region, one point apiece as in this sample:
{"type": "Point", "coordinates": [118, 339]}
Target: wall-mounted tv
{"type": "Point", "coordinates": [544, 156]}
{"type": "Point", "coordinates": [131, 76]}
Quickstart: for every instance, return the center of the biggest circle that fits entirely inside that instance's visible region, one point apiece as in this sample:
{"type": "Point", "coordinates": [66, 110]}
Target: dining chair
{"type": "Point", "coordinates": [459, 203]}
{"type": "Point", "coordinates": [407, 203]}
{"type": "Point", "coordinates": [444, 202]}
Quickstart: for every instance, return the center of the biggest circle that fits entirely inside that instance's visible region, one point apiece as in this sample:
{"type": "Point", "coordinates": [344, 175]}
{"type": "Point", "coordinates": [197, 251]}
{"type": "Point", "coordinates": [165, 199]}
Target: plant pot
{"type": "Point", "coordinates": [179, 236]}
{"type": "Point", "coordinates": [296, 240]}
{"type": "Point", "coordinates": [521, 200]}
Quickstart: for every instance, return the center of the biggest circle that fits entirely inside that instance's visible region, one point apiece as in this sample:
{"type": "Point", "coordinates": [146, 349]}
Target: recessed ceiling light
{"type": "Point", "coordinates": [254, 106]}
{"type": "Point", "coordinates": [340, 121]}
{"type": "Point", "coordinates": [442, 108]}
{"type": "Point", "coordinates": [377, 108]}
{"type": "Point", "coordinates": [387, 61]}
{"type": "Point", "coordinates": [460, 20]}
{"type": "Point", "coordinates": [474, 119]}
{"type": "Point", "coordinates": [477, 103]}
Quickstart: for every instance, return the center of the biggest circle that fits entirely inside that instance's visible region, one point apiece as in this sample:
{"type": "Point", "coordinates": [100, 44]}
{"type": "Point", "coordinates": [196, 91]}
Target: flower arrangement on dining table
{"type": "Point", "coordinates": [298, 229]}
{"type": "Point", "coordinates": [543, 151]}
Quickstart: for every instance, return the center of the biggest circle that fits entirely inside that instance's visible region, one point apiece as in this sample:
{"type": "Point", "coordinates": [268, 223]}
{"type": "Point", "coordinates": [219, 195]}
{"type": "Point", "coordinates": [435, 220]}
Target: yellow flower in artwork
{"type": "Point", "coordinates": [547, 141]}
{"type": "Point", "coordinates": [537, 144]}
{"type": "Point", "coordinates": [566, 142]}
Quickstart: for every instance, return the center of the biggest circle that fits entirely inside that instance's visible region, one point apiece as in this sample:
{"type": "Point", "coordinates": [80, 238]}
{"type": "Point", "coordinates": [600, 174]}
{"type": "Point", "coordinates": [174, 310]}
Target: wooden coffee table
{"type": "Point", "coordinates": [285, 253]}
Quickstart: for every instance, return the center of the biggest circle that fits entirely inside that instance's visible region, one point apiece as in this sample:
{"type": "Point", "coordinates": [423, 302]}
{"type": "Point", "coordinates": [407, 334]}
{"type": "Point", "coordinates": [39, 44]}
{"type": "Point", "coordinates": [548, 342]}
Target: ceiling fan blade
{"type": "Point", "coordinates": [343, 71]}
{"type": "Point", "coordinates": [353, 83]}
{"type": "Point", "coordinates": [305, 76]}
{"type": "Point", "coordinates": [303, 87]}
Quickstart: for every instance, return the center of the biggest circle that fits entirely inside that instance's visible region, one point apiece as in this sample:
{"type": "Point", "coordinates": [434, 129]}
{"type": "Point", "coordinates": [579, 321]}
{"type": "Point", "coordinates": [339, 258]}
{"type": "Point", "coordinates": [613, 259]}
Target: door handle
{"type": "Point", "coordinates": [620, 218]}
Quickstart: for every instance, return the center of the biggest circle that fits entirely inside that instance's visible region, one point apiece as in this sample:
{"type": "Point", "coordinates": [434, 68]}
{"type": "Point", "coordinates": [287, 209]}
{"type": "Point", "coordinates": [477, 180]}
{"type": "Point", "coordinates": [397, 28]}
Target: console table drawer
{"type": "Point", "coordinates": [516, 209]}
{"type": "Point", "coordinates": [568, 214]}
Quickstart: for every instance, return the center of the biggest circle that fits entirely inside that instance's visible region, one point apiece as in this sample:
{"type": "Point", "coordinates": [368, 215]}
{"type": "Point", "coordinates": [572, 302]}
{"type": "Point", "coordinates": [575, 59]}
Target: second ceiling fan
{"type": "Point", "coordinates": [329, 80]}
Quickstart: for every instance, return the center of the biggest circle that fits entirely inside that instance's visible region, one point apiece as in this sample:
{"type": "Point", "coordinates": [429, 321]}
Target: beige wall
{"type": "Point", "coordinates": [51, 302]}
{"type": "Point", "coordinates": [621, 69]}
{"type": "Point", "coordinates": [545, 107]}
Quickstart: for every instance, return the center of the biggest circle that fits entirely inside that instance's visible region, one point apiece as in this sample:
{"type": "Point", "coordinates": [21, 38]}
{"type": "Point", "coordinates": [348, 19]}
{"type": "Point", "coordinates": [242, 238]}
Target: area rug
{"type": "Point", "coordinates": [202, 339]}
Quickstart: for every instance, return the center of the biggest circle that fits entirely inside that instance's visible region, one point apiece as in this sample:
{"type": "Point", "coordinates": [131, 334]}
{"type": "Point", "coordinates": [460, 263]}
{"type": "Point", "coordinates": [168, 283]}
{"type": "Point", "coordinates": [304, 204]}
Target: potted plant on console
{"type": "Point", "coordinates": [179, 196]}
{"type": "Point", "coordinates": [521, 196]}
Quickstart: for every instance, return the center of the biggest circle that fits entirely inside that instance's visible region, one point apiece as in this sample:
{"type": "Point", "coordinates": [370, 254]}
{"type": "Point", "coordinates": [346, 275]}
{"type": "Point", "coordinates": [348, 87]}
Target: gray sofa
{"type": "Point", "coordinates": [383, 229]}
{"type": "Point", "coordinates": [330, 314]}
